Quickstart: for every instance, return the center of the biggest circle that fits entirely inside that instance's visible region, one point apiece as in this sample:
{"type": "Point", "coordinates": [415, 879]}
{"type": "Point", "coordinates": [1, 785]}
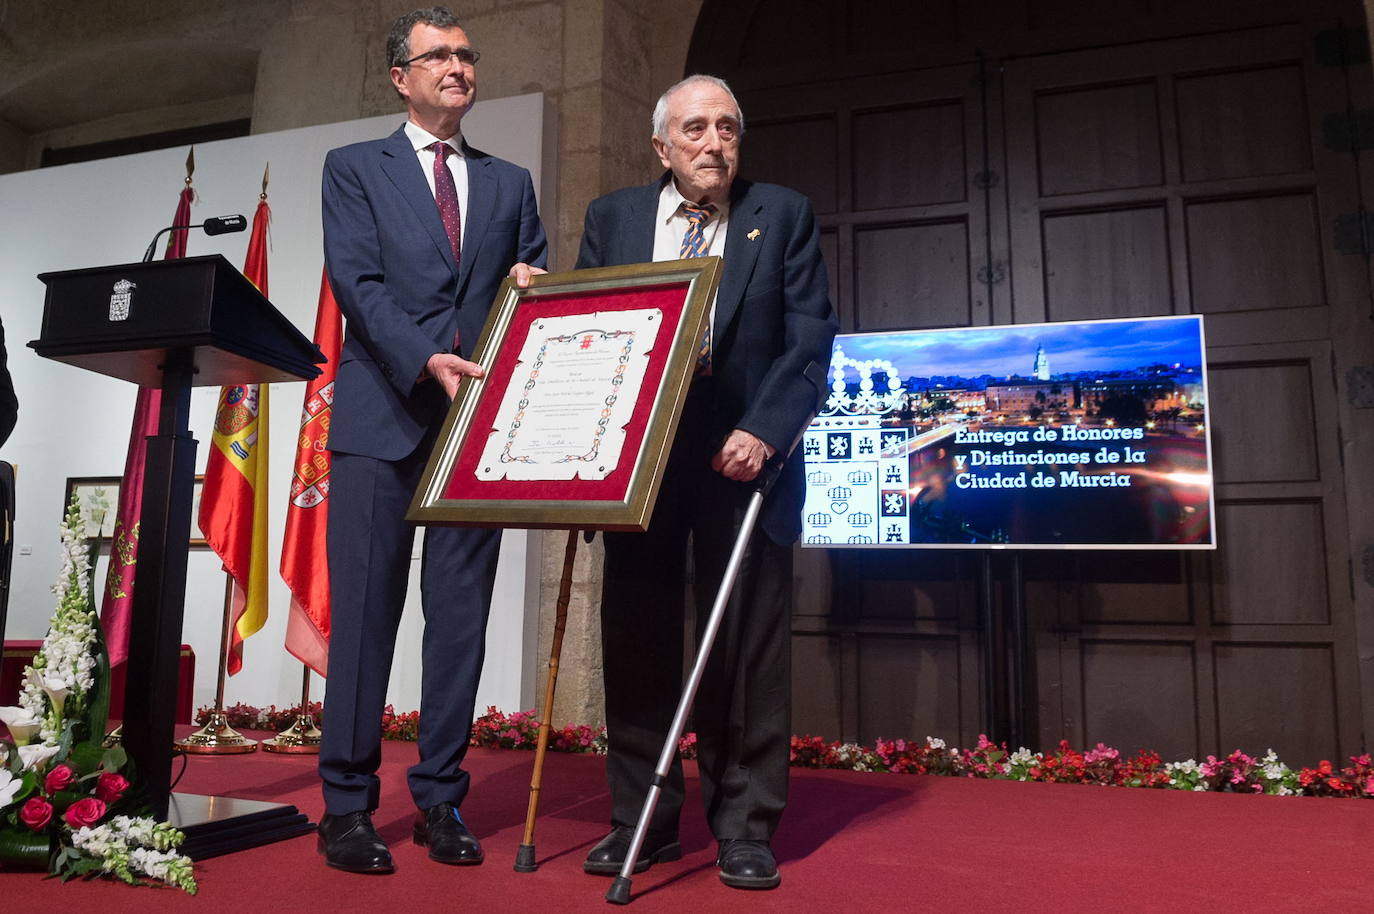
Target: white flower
{"type": "Point", "coordinates": [22, 722]}
{"type": "Point", "coordinates": [9, 786]}
{"type": "Point", "coordinates": [34, 757]}
{"type": "Point", "coordinates": [57, 689]}
{"type": "Point", "coordinates": [934, 743]}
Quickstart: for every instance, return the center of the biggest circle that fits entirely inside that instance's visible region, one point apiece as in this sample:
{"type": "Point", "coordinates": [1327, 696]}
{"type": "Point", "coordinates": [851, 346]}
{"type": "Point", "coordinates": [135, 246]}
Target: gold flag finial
{"type": "Point", "coordinates": [190, 165]}
{"type": "Point", "coordinates": [263, 195]}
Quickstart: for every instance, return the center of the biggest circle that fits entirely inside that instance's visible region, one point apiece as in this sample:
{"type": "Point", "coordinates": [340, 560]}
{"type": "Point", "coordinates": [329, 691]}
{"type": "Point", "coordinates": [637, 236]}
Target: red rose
{"type": "Point", "coordinates": [109, 787]}
{"type": "Point", "coordinates": [36, 813]}
{"type": "Point", "coordinates": [84, 812]}
{"type": "Point", "coordinates": [60, 778]}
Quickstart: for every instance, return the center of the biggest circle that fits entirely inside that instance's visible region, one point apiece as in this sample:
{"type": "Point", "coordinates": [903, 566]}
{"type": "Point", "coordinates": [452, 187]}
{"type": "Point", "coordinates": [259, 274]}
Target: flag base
{"type": "Point", "coordinates": [301, 738]}
{"type": "Point", "coordinates": [217, 738]}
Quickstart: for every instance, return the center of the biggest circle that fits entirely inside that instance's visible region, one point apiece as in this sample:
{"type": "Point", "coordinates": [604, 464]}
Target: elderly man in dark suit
{"type": "Point", "coordinates": [419, 230]}
{"type": "Point", "coordinates": [760, 377]}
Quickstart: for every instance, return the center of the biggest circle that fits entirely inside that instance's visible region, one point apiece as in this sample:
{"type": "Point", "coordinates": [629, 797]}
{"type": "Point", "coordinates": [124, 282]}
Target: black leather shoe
{"type": "Point", "coordinates": [747, 864]}
{"type": "Point", "coordinates": [607, 858]}
{"type": "Point", "coordinates": [441, 830]}
{"type": "Point", "coordinates": [349, 842]}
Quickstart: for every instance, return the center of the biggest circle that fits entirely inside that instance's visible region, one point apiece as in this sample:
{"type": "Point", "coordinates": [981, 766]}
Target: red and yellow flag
{"type": "Point", "coordinates": [233, 504]}
{"type": "Point", "coordinates": [304, 563]}
{"type": "Point", "coordinates": [117, 603]}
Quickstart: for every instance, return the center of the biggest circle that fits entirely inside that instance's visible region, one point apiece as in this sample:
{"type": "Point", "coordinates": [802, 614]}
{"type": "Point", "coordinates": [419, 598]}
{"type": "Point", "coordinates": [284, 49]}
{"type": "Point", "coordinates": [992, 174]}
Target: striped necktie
{"type": "Point", "coordinates": [694, 245]}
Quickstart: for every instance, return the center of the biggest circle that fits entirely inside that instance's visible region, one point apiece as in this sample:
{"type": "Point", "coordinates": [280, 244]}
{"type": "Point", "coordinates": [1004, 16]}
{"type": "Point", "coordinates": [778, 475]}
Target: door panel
{"type": "Point", "coordinates": [1149, 174]}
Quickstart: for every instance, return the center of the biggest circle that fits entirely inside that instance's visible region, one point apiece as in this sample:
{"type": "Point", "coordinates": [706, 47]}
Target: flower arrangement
{"type": "Point", "coordinates": [494, 730]}
{"type": "Point", "coordinates": [66, 802]}
{"type": "Point", "coordinates": [1103, 765]}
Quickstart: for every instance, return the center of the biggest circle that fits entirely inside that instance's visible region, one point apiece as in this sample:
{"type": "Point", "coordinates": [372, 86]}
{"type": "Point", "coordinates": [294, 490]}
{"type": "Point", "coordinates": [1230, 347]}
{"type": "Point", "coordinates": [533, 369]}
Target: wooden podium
{"type": "Point", "coordinates": [174, 324]}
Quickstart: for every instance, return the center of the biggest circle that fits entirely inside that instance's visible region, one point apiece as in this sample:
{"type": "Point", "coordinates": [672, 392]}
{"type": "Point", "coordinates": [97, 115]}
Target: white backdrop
{"type": "Point", "coordinates": [75, 423]}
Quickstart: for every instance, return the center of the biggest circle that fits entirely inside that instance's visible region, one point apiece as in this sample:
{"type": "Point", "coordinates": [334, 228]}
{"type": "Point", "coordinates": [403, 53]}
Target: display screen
{"type": "Point", "coordinates": [1084, 434]}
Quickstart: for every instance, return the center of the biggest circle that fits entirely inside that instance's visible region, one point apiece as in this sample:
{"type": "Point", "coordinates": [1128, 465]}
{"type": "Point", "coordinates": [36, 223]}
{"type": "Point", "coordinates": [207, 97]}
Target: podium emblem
{"type": "Point", "coordinates": [119, 301]}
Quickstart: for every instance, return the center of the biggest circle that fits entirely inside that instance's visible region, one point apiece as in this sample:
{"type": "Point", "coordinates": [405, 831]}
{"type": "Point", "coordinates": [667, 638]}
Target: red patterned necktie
{"type": "Point", "coordinates": [446, 196]}
{"type": "Point", "coordinates": [694, 245]}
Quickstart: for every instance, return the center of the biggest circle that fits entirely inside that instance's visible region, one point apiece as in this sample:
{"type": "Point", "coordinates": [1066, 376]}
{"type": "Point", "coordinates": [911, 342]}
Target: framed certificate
{"type": "Point", "coordinates": [587, 372]}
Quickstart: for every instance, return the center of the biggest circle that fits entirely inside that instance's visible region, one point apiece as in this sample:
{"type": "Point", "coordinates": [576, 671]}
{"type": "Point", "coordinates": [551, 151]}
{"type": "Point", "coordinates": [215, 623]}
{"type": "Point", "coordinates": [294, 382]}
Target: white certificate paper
{"type": "Point", "coordinates": [570, 396]}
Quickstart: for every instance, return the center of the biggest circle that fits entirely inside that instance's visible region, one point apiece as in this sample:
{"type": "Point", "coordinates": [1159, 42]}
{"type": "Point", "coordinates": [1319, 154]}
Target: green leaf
{"type": "Point", "coordinates": [21, 848]}
{"type": "Point", "coordinates": [64, 798]}
{"type": "Point", "coordinates": [86, 757]}
{"type": "Point", "coordinates": [98, 700]}
{"type": "Point", "coordinates": [64, 742]}
{"type": "Point", "coordinates": [114, 759]}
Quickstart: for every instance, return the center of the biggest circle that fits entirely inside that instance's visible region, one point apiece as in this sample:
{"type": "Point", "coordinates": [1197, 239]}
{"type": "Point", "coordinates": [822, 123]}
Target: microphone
{"type": "Point", "coordinates": [215, 225]}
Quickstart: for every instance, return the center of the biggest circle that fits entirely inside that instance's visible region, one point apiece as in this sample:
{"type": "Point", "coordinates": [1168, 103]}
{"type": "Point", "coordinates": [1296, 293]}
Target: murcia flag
{"type": "Point", "coordinates": [304, 564]}
{"type": "Point", "coordinates": [117, 603]}
{"type": "Point", "coordinates": [233, 503]}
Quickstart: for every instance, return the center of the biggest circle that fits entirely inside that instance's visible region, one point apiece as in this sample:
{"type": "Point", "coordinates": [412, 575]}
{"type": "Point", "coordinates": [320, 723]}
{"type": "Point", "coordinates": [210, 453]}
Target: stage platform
{"type": "Point", "coordinates": [849, 842]}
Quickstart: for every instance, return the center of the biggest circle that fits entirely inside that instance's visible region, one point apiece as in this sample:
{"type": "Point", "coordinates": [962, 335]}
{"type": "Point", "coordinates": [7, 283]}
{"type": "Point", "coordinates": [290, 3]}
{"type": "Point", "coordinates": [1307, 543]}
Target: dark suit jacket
{"type": "Point", "coordinates": [773, 326]}
{"type": "Point", "coordinates": [392, 270]}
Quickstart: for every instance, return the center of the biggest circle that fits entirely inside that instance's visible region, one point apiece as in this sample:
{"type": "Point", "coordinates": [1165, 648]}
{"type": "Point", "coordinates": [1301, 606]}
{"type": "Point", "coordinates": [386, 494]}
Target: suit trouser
{"type": "Point", "coordinates": [369, 564]}
{"type": "Point", "coordinates": [742, 713]}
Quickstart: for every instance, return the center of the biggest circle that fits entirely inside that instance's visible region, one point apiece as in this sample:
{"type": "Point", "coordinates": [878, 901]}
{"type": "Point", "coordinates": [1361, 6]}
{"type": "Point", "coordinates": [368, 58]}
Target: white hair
{"type": "Point", "coordinates": [660, 120]}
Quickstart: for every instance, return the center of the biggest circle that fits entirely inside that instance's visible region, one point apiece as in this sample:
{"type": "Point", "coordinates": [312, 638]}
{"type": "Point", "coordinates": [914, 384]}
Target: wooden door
{"type": "Point", "coordinates": [892, 167]}
{"type": "Point", "coordinates": [1188, 176]}
{"type": "Point", "coordinates": [1179, 165]}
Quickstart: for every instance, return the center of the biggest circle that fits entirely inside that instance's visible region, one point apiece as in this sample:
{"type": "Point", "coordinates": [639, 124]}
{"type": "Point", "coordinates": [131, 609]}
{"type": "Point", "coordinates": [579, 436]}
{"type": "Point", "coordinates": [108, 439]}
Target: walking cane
{"type": "Point", "coordinates": [524, 857]}
{"type": "Point", "coordinates": [619, 892]}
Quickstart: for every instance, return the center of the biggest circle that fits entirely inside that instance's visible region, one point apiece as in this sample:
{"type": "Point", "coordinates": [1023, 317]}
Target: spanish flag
{"type": "Point", "coordinates": [233, 505]}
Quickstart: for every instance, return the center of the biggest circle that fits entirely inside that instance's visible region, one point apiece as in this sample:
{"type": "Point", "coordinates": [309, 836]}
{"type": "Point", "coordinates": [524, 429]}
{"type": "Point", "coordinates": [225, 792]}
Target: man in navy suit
{"type": "Point", "coordinates": [419, 230]}
{"type": "Point", "coordinates": [760, 378]}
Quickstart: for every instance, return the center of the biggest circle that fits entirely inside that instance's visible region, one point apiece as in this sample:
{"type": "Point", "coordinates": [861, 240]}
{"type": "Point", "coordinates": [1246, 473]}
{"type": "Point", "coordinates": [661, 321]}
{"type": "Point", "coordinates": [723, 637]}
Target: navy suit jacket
{"type": "Point", "coordinates": [392, 271]}
{"type": "Point", "coordinates": [774, 323]}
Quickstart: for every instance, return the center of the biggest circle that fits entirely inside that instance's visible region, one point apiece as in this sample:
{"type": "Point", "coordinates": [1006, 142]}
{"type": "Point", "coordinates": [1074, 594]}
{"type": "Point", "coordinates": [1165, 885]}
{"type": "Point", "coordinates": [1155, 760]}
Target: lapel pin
{"type": "Point", "coordinates": [753, 236]}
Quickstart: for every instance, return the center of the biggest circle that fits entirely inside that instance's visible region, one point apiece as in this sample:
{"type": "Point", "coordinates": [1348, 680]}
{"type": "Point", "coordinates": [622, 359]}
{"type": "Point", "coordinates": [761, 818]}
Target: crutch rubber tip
{"type": "Point", "coordinates": [619, 892]}
{"type": "Point", "coordinates": [524, 859]}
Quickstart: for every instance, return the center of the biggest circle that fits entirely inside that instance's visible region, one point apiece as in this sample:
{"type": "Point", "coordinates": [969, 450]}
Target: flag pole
{"type": "Point", "coordinates": [524, 857]}
{"type": "Point", "coordinates": [217, 737]}
{"type": "Point", "coordinates": [302, 737]}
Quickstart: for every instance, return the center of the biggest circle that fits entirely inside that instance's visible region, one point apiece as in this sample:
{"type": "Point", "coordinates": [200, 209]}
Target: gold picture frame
{"type": "Point", "coordinates": [455, 492]}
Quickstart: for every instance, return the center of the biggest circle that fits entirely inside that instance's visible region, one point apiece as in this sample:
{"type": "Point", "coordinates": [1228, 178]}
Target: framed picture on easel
{"type": "Point", "coordinates": [586, 375]}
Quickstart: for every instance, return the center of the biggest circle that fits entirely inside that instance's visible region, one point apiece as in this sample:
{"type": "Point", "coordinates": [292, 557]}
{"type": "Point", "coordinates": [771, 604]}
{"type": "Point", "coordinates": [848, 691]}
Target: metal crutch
{"type": "Point", "coordinates": [619, 892]}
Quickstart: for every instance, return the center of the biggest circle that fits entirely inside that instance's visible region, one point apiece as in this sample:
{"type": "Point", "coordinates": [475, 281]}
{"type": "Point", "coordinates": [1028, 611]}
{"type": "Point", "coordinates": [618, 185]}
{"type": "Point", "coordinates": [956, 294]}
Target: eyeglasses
{"type": "Point", "coordinates": [439, 57]}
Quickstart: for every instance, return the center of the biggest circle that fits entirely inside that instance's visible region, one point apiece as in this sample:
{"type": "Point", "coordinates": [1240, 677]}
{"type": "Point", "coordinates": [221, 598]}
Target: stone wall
{"type": "Point", "coordinates": [88, 71]}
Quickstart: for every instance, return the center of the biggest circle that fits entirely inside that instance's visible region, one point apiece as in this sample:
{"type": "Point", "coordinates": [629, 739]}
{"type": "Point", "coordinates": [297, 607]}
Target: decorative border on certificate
{"type": "Point", "coordinates": [586, 375]}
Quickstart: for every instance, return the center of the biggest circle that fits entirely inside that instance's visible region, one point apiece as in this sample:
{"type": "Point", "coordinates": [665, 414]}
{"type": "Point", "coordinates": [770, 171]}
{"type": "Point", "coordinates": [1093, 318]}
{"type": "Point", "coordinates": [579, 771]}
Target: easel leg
{"type": "Point", "coordinates": [524, 858]}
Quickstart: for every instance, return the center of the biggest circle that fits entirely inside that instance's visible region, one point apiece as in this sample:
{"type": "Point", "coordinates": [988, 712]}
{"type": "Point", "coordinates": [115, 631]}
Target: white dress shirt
{"type": "Point", "coordinates": [671, 225]}
{"type": "Point", "coordinates": [421, 139]}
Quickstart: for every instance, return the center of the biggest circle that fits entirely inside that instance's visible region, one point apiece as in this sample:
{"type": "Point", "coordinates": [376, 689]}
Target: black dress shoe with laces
{"type": "Point", "coordinates": [349, 842]}
{"type": "Point", "coordinates": [747, 864]}
{"type": "Point", "coordinates": [441, 830]}
{"type": "Point", "coordinates": [608, 857]}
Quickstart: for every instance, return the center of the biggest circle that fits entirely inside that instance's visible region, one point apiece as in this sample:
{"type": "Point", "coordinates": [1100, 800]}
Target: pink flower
{"type": "Point", "coordinates": [84, 812]}
{"type": "Point", "coordinates": [36, 813]}
{"type": "Point", "coordinates": [109, 787]}
{"type": "Point", "coordinates": [60, 778]}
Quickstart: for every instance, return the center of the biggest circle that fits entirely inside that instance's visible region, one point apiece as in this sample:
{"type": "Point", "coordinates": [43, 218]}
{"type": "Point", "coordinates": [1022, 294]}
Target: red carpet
{"type": "Point", "coordinates": [849, 842]}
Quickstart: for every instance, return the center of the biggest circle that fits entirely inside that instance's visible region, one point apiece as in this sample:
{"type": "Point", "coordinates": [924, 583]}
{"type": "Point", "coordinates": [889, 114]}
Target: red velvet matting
{"type": "Point", "coordinates": [849, 842]}
{"type": "Point", "coordinates": [670, 299]}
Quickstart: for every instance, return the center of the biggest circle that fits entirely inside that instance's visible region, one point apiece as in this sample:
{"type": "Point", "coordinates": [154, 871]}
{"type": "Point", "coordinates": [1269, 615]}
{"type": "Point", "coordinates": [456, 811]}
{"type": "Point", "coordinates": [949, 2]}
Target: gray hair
{"type": "Point", "coordinates": [660, 121]}
{"type": "Point", "coordinates": [398, 39]}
